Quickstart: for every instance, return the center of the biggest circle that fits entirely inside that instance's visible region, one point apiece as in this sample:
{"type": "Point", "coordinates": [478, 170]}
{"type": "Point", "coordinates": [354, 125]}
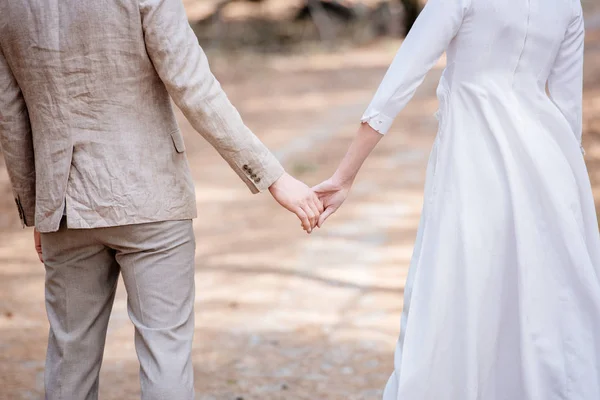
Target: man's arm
{"type": "Point", "coordinates": [183, 67]}
{"type": "Point", "coordinates": [16, 143]}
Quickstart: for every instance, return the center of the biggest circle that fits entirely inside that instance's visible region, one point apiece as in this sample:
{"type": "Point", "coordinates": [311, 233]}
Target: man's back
{"type": "Point", "coordinates": [95, 78]}
{"type": "Point", "coordinates": [87, 130]}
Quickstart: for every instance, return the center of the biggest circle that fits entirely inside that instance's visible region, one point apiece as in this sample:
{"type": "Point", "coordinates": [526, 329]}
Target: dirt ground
{"type": "Point", "coordinates": [279, 314]}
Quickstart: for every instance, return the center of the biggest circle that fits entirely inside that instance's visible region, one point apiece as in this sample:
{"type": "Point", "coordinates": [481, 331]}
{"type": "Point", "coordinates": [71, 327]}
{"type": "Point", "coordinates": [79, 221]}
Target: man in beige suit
{"type": "Point", "coordinates": [98, 165]}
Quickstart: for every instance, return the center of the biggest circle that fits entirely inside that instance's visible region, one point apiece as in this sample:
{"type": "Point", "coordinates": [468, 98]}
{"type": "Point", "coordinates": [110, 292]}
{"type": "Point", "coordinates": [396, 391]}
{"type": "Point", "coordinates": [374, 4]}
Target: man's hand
{"type": "Point", "coordinates": [296, 197]}
{"type": "Point", "coordinates": [38, 244]}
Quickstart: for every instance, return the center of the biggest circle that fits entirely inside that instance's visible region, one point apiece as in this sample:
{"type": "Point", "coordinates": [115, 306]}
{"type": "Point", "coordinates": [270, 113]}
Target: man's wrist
{"type": "Point", "coordinates": [276, 181]}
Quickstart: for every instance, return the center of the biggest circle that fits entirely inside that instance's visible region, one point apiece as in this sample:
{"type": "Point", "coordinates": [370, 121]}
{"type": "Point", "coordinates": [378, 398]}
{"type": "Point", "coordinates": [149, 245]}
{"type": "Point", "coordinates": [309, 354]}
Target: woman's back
{"type": "Point", "coordinates": [515, 41]}
{"type": "Point", "coordinates": [515, 47]}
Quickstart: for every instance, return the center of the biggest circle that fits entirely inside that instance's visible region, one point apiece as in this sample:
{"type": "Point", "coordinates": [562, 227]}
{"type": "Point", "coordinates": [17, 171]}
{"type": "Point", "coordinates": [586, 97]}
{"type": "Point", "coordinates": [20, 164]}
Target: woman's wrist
{"type": "Point", "coordinates": [362, 145]}
{"type": "Point", "coordinates": [343, 179]}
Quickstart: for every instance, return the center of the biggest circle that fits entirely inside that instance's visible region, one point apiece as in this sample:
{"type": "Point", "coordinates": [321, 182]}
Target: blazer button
{"type": "Point", "coordinates": [253, 176]}
{"type": "Point", "coordinates": [245, 167]}
{"type": "Point", "coordinates": [249, 171]}
{"type": "Point", "coordinates": [257, 180]}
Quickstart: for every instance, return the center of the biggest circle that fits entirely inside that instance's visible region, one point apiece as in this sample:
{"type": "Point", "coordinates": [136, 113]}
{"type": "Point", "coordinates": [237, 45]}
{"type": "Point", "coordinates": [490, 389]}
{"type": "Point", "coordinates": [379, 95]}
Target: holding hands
{"type": "Point", "coordinates": [314, 206]}
{"type": "Point", "coordinates": [296, 197]}
{"type": "Point", "coordinates": [311, 206]}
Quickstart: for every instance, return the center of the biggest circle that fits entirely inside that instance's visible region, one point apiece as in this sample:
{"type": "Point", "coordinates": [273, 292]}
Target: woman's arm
{"type": "Point", "coordinates": [565, 84]}
{"type": "Point", "coordinates": [333, 191]}
{"type": "Point", "coordinates": [437, 25]}
{"type": "Point", "coordinates": [429, 37]}
{"type": "Point", "coordinates": [363, 144]}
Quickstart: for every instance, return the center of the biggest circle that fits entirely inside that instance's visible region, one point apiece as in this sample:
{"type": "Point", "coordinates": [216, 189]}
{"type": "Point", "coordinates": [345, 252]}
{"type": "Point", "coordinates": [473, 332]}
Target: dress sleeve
{"type": "Point", "coordinates": [429, 37]}
{"type": "Point", "coordinates": [565, 83]}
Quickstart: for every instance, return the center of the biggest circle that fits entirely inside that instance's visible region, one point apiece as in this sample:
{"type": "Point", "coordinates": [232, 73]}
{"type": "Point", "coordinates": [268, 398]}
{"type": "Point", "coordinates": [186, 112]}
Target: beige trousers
{"type": "Point", "coordinates": [82, 268]}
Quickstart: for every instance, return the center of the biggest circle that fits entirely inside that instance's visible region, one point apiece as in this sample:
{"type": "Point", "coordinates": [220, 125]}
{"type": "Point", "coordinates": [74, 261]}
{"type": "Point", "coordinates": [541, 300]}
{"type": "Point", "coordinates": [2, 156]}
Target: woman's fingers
{"type": "Point", "coordinates": [328, 211]}
{"type": "Point", "coordinates": [318, 188]}
{"type": "Point", "coordinates": [323, 187]}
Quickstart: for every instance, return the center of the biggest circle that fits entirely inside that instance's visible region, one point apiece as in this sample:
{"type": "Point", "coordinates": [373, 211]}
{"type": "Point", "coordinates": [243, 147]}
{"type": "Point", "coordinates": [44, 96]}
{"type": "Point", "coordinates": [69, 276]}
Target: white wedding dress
{"type": "Point", "coordinates": [502, 300]}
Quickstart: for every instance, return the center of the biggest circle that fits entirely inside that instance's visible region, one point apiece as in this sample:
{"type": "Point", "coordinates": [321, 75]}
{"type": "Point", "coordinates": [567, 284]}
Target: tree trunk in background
{"type": "Point", "coordinates": [321, 20]}
{"type": "Point", "coordinates": [412, 8]}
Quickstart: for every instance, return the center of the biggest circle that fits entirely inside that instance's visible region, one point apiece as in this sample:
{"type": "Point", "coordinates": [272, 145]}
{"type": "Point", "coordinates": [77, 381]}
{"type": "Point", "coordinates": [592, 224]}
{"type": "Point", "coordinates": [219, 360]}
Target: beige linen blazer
{"type": "Point", "coordinates": [86, 122]}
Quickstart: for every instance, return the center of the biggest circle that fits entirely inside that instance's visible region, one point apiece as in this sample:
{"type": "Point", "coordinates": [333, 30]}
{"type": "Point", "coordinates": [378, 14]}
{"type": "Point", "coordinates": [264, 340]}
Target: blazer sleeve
{"type": "Point", "coordinates": [16, 143]}
{"type": "Point", "coordinates": [565, 83]}
{"type": "Point", "coordinates": [427, 40]}
{"type": "Point", "coordinates": [183, 67]}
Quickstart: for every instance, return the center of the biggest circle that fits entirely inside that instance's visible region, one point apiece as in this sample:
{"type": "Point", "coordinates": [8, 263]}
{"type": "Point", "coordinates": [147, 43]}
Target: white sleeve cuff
{"type": "Point", "coordinates": [381, 123]}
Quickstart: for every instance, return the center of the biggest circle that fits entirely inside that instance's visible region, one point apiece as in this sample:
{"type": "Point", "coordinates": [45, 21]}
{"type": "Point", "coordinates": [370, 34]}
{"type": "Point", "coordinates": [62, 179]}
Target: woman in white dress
{"type": "Point", "coordinates": [502, 300]}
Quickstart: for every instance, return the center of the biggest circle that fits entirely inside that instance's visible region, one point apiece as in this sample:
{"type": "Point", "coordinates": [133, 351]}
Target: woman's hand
{"type": "Point", "coordinates": [332, 194]}
{"type": "Point", "coordinates": [38, 244]}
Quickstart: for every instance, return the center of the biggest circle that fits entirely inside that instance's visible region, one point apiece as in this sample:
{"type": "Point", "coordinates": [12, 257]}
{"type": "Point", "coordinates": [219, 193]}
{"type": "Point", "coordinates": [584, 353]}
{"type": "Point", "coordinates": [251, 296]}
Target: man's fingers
{"type": "Point", "coordinates": [312, 217]}
{"type": "Point", "coordinates": [328, 211]}
{"type": "Point", "coordinates": [316, 213]}
{"type": "Point", "coordinates": [38, 244]}
{"type": "Point", "coordinates": [303, 218]}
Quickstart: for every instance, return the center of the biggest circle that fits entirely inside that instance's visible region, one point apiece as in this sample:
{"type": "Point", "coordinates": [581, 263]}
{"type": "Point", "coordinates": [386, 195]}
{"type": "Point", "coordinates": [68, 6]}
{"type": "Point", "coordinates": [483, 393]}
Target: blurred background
{"type": "Point", "coordinates": [279, 314]}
